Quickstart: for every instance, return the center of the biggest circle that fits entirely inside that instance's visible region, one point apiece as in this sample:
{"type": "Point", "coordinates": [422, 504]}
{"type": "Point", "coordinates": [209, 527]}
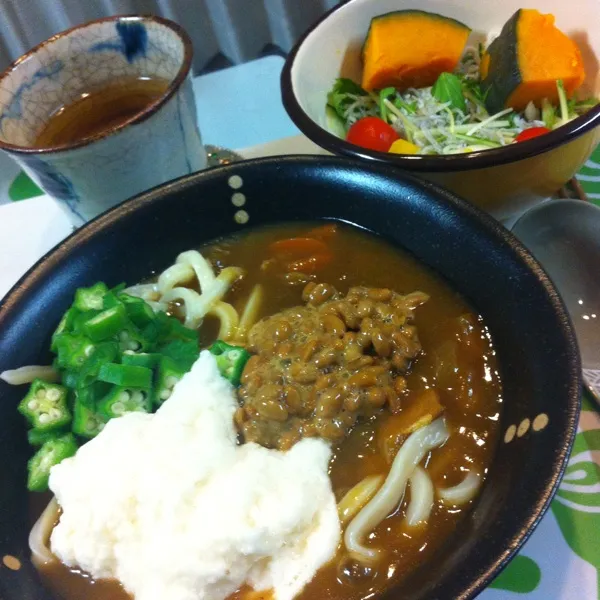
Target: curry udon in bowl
{"type": "Point", "coordinates": [297, 409]}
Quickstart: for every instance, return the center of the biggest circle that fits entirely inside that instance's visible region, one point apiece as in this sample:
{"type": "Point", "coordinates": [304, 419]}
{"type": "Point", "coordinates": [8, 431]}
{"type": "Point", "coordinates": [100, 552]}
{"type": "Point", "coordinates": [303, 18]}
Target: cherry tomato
{"type": "Point", "coordinates": [529, 134]}
{"type": "Point", "coordinates": [372, 133]}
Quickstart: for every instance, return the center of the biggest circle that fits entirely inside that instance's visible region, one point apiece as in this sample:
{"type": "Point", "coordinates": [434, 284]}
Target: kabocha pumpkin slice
{"type": "Point", "coordinates": [410, 48]}
{"type": "Point", "coordinates": [525, 61]}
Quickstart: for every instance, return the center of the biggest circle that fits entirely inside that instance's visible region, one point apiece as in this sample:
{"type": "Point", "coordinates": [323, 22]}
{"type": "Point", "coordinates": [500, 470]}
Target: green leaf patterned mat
{"type": "Point", "coordinates": [589, 177]}
{"type": "Point", "coordinates": [22, 188]}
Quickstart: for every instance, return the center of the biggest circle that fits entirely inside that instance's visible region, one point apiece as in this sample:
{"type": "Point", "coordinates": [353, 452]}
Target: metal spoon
{"type": "Point", "coordinates": [564, 236]}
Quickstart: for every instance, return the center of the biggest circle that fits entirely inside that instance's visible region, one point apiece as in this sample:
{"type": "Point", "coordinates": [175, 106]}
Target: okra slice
{"type": "Point", "coordinates": [141, 359]}
{"type": "Point", "coordinates": [106, 324]}
{"type": "Point", "coordinates": [183, 352]}
{"type": "Point", "coordinates": [132, 339]}
{"type": "Point", "coordinates": [168, 375]}
{"type": "Point", "coordinates": [87, 422]}
{"type": "Point", "coordinates": [122, 400]}
{"type": "Point", "coordinates": [65, 326]}
{"type": "Point", "coordinates": [231, 360]}
{"type": "Point", "coordinates": [126, 375]}
{"type": "Point", "coordinates": [139, 311]}
{"type": "Point", "coordinates": [52, 452]}
{"type": "Point", "coordinates": [45, 406]}
{"type": "Point", "coordinates": [73, 350]}
{"type": "Point", "coordinates": [37, 438]}
{"type": "Point", "coordinates": [90, 298]}
{"type": "Point", "coordinates": [103, 353]}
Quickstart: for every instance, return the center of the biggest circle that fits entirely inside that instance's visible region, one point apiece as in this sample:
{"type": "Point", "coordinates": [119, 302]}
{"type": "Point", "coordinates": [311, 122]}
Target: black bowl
{"type": "Point", "coordinates": [534, 338]}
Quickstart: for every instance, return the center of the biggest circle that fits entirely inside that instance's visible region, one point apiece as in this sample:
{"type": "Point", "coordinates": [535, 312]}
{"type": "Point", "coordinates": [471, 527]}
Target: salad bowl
{"type": "Point", "coordinates": [504, 181]}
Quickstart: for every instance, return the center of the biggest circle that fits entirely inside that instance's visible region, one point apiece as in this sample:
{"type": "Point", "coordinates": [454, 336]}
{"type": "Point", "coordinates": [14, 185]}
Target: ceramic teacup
{"type": "Point", "coordinates": [159, 143]}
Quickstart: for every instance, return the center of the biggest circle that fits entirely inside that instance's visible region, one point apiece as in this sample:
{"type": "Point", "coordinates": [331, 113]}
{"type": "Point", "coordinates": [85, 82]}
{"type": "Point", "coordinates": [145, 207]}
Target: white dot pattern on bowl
{"type": "Point", "coordinates": [523, 427]}
{"type": "Point", "coordinates": [540, 422]}
{"type": "Point", "coordinates": [241, 217]}
{"type": "Point", "coordinates": [11, 562]}
{"type": "Point", "coordinates": [238, 199]}
{"type": "Point", "coordinates": [235, 182]}
{"type": "Point", "coordinates": [510, 434]}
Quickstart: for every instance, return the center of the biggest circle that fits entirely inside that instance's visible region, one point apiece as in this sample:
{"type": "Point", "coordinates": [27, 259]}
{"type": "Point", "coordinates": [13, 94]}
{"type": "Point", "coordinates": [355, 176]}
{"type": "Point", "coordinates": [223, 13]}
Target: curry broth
{"type": "Point", "coordinates": [458, 359]}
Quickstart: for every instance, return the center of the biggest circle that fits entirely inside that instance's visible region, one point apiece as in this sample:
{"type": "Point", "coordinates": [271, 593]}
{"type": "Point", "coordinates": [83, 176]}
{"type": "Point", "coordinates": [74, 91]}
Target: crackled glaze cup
{"type": "Point", "coordinates": [157, 144]}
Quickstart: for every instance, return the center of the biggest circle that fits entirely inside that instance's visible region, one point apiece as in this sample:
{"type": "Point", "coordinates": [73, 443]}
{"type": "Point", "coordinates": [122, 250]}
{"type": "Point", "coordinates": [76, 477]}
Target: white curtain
{"type": "Point", "coordinates": [223, 31]}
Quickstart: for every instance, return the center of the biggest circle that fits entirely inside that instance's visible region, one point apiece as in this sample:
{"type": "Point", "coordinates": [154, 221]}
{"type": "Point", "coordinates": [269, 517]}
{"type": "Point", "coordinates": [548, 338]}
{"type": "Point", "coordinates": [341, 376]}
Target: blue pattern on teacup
{"type": "Point", "coordinates": [54, 182]}
{"type": "Point", "coordinates": [14, 109]}
{"type": "Point", "coordinates": [132, 42]}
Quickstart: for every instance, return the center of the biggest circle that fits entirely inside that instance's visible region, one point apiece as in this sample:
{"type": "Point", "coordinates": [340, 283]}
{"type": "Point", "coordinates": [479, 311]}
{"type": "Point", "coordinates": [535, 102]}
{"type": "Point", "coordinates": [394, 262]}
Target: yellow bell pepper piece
{"type": "Point", "coordinates": [403, 147]}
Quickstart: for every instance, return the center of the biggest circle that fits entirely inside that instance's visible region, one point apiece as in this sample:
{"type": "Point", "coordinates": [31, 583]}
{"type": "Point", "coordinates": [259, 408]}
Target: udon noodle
{"type": "Point", "coordinates": [28, 373]}
{"type": "Point", "coordinates": [195, 305]}
{"type": "Point", "coordinates": [191, 269]}
{"type": "Point", "coordinates": [463, 492]}
{"type": "Point", "coordinates": [421, 497]}
{"type": "Point", "coordinates": [358, 496]}
{"type": "Point", "coordinates": [39, 536]}
{"type": "Point", "coordinates": [389, 496]}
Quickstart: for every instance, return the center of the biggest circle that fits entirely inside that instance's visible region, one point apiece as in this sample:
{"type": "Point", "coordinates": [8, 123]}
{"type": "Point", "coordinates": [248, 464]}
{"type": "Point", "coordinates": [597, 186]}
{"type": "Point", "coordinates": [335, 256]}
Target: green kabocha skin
{"type": "Point", "coordinates": [504, 74]}
{"type": "Point", "coordinates": [525, 62]}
